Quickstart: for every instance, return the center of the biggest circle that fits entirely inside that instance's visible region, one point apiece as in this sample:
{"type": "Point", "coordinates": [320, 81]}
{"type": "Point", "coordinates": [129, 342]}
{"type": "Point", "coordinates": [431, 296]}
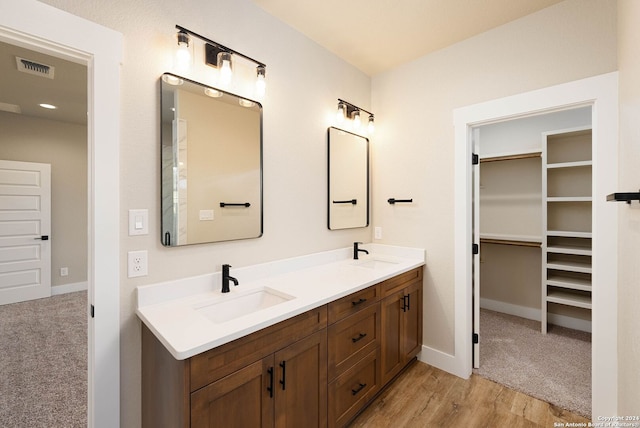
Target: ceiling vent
{"type": "Point", "coordinates": [35, 68]}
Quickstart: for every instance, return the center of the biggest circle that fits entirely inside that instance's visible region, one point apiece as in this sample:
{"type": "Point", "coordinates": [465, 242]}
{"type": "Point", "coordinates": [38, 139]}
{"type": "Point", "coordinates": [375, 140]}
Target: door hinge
{"type": "Point", "coordinates": [93, 312]}
{"type": "Point", "coordinates": [475, 249]}
{"type": "Point", "coordinates": [476, 338]}
{"type": "Point", "coordinates": [475, 159]}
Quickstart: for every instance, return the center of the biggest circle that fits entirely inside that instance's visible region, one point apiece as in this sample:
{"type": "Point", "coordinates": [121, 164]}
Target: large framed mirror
{"type": "Point", "coordinates": [211, 161]}
{"type": "Point", "coordinates": [348, 189]}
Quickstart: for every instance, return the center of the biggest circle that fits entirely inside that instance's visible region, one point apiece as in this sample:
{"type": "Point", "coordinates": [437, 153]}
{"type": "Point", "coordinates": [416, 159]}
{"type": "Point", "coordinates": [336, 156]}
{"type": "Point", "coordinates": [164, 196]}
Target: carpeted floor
{"type": "Point", "coordinates": [43, 362]}
{"type": "Point", "coordinates": [555, 367]}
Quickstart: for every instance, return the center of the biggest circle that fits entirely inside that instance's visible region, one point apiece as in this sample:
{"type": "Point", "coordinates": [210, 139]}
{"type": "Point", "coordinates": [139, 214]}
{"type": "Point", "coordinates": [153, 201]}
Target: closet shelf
{"type": "Point", "coordinates": [569, 199]}
{"type": "Point", "coordinates": [569, 234]}
{"type": "Point", "coordinates": [570, 249]}
{"type": "Point", "coordinates": [570, 299]}
{"type": "Point", "coordinates": [569, 266]}
{"type": "Point", "coordinates": [570, 164]}
{"type": "Point", "coordinates": [569, 282]}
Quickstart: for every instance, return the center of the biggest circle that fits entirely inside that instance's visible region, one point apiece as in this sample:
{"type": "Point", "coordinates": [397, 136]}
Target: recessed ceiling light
{"type": "Point", "coordinates": [49, 106]}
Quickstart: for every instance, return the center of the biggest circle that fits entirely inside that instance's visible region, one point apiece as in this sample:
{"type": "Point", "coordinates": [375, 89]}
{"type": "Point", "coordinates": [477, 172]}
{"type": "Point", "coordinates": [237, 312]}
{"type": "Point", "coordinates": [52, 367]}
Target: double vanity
{"type": "Point", "coordinates": [299, 342]}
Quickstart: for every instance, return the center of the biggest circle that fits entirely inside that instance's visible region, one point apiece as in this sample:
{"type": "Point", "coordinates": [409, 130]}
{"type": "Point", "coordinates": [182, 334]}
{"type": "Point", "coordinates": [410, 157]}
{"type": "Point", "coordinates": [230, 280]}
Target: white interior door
{"type": "Point", "coordinates": [25, 231]}
{"type": "Point", "coordinates": [476, 242]}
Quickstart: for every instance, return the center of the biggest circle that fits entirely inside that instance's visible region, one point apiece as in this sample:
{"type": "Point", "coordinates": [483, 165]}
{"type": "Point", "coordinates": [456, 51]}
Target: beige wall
{"type": "Point", "coordinates": [414, 144]}
{"type": "Point", "coordinates": [64, 146]}
{"type": "Point", "coordinates": [629, 217]}
{"type": "Point", "coordinates": [304, 83]}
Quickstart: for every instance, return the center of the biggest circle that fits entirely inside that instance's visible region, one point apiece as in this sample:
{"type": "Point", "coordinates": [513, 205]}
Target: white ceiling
{"type": "Point", "coordinates": [67, 90]}
{"type": "Point", "coordinates": [376, 35]}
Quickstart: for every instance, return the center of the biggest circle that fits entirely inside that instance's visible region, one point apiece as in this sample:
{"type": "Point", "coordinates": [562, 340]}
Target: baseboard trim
{"type": "Point", "coordinates": [69, 288]}
{"type": "Point", "coordinates": [534, 314]}
{"type": "Point", "coordinates": [442, 361]}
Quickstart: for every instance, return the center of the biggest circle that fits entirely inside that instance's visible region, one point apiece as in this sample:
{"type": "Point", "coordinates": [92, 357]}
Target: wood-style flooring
{"type": "Point", "coordinates": [424, 396]}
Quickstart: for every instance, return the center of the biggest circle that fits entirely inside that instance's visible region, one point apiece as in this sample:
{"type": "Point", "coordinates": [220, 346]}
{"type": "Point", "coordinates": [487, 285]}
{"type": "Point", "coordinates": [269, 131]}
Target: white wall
{"type": "Point", "coordinates": [414, 145]}
{"type": "Point", "coordinates": [629, 216]}
{"type": "Point", "coordinates": [304, 82]}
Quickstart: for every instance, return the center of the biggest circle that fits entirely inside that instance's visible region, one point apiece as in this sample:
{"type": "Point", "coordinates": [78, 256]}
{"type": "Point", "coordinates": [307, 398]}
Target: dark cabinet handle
{"type": "Point", "coordinates": [359, 302]}
{"type": "Point", "coordinates": [408, 302]}
{"type": "Point", "coordinates": [284, 371]}
{"type": "Point", "coordinates": [270, 388]}
{"type": "Point", "coordinates": [404, 303]}
{"type": "Point", "coordinates": [360, 337]}
{"type": "Point", "coordinates": [360, 387]}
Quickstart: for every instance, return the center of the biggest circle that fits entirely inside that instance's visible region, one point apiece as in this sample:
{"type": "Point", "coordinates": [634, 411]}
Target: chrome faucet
{"type": "Point", "coordinates": [357, 250]}
{"type": "Point", "coordinates": [226, 278]}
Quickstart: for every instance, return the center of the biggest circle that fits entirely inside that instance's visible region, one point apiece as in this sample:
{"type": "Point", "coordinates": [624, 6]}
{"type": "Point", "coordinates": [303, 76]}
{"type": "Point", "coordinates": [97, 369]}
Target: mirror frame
{"type": "Point", "coordinates": [329, 199]}
{"type": "Point", "coordinates": [261, 167]}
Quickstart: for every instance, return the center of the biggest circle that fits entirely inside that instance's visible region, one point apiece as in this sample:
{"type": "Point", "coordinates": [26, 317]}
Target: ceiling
{"type": "Point", "coordinates": [67, 90]}
{"type": "Point", "coordinates": [377, 35]}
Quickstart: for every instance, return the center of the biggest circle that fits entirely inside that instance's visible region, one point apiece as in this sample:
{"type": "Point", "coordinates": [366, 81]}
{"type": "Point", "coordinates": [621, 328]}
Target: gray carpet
{"type": "Point", "coordinates": [555, 367]}
{"type": "Point", "coordinates": [43, 362]}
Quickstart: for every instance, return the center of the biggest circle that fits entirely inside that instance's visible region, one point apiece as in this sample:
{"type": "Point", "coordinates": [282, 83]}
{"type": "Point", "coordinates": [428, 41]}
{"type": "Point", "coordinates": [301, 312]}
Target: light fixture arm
{"type": "Point", "coordinates": [351, 108]}
{"type": "Point", "coordinates": [219, 47]}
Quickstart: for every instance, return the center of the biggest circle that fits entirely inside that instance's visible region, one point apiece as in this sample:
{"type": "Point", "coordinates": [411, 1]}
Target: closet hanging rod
{"type": "Point", "coordinates": [511, 157]}
{"type": "Point", "coordinates": [510, 242]}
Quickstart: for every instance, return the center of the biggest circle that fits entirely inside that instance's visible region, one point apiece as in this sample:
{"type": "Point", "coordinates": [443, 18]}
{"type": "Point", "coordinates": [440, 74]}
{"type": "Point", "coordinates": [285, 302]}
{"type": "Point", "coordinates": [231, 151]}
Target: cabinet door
{"type": "Point", "coordinates": [301, 383]}
{"type": "Point", "coordinates": [412, 322]}
{"type": "Point", "coordinates": [391, 338]}
{"type": "Point", "coordinates": [241, 399]}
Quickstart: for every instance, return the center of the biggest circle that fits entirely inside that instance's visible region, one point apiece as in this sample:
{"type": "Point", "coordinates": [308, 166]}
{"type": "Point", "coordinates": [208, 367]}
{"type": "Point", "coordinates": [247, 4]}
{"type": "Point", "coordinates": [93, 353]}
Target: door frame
{"type": "Point", "coordinates": [40, 27]}
{"type": "Point", "coordinates": [601, 93]}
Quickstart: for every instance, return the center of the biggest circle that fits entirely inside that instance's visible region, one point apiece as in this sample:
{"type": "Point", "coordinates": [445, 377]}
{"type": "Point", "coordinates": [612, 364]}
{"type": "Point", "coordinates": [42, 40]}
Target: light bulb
{"type": "Point", "coordinates": [210, 92]}
{"type": "Point", "coordinates": [356, 120]}
{"type": "Point", "coordinates": [340, 114]}
{"type": "Point", "coordinates": [261, 83]}
{"type": "Point", "coordinates": [224, 63]}
{"type": "Point", "coordinates": [183, 54]}
{"type": "Point", "coordinates": [246, 103]}
{"type": "Point", "coordinates": [371, 128]}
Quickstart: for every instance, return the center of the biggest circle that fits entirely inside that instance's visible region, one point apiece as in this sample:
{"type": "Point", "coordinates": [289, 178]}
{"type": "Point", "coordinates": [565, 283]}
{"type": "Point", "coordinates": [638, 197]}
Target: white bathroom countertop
{"type": "Point", "coordinates": [176, 311]}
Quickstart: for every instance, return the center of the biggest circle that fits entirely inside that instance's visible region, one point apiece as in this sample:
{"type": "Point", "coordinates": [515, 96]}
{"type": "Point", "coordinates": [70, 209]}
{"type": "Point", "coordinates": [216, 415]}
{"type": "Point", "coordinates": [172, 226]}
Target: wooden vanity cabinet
{"type": "Point", "coordinates": [320, 368]}
{"type": "Point", "coordinates": [401, 317]}
{"type": "Point", "coordinates": [275, 377]}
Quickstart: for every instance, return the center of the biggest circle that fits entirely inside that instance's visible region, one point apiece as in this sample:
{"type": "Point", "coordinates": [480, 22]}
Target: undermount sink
{"type": "Point", "coordinates": [375, 263]}
{"type": "Point", "coordinates": [231, 307]}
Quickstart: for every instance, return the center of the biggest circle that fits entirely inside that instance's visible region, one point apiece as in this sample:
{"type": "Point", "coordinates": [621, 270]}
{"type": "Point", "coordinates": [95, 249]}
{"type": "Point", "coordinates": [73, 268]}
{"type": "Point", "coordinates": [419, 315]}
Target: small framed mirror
{"type": "Point", "coordinates": [211, 161]}
{"type": "Point", "coordinates": [348, 189]}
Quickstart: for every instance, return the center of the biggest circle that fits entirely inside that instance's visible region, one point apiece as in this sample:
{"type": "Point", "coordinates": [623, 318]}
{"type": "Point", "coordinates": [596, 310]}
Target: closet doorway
{"type": "Point", "coordinates": [533, 187]}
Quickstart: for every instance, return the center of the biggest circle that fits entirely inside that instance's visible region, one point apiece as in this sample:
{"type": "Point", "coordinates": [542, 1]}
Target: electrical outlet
{"type": "Point", "coordinates": [377, 232]}
{"type": "Point", "coordinates": [137, 263]}
{"type": "Point", "coordinates": [64, 271]}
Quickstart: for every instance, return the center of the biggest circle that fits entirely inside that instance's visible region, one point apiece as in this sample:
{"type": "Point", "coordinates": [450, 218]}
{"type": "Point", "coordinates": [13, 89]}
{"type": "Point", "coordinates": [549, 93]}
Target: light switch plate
{"type": "Point", "coordinates": [138, 222]}
{"type": "Point", "coordinates": [377, 232]}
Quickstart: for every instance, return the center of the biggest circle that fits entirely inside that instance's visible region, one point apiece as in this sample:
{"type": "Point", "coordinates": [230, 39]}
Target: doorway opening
{"type": "Point", "coordinates": [532, 215]}
{"type": "Point", "coordinates": [44, 160]}
{"type": "Point", "coordinates": [600, 92]}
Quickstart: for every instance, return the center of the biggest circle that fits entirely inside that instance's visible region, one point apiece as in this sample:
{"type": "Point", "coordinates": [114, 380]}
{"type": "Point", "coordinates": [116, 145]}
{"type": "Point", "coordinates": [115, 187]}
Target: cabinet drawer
{"type": "Point", "coordinates": [349, 393]}
{"type": "Point", "coordinates": [228, 358]}
{"type": "Point", "coordinates": [399, 282]}
{"type": "Point", "coordinates": [353, 303]}
{"type": "Point", "coordinates": [352, 338]}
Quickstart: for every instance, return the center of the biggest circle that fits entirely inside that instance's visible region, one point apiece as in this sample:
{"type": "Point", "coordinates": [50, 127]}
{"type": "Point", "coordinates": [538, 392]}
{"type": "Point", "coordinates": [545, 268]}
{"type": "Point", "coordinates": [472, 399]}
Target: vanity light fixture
{"type": "Point", "coordinates": [213, 93]}
{"type": "Point", "coordinates": [222, 58]}
{"type": "Point", "coordinates": [183, 54]}
{"type": "Point", "coordinates": [172, 80]}
{"type": "Point", "coordinates": [346, 109]}
{"type": "Point", "coordinates": [246, 103]}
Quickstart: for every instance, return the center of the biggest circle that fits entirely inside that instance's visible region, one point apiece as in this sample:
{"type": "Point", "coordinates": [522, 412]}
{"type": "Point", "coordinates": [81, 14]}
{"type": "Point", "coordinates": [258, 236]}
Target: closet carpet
{"type": "Point", "coordinates": [555, 367]}
{"type": "Point", "coordinates": [43, 362]}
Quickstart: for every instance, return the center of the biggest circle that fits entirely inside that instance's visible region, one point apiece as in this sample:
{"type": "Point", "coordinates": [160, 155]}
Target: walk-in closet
{"type": "Point", "coordinates": [534, 223]}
